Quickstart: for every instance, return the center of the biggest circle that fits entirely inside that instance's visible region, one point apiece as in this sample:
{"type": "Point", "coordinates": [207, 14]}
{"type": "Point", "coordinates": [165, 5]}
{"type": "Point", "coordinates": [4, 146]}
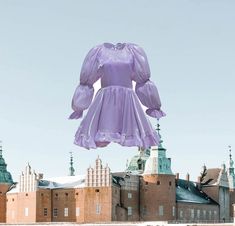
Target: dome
{"type": "Point", "coordinates": [138, 161]}
{"type": "Point", "coordinates": [5, 176]}
{"type": "Point", "coordinates": [2, 161]}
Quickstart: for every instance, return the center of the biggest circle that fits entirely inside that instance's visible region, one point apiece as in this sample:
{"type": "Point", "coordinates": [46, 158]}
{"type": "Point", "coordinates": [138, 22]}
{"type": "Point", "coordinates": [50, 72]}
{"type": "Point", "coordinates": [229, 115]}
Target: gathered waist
{"type": "Point", "coordinates": [116, 87]}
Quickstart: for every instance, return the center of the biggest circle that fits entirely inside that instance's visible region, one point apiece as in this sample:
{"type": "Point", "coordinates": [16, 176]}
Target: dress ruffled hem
{"type": "Point", "coordinates": [102, 139]}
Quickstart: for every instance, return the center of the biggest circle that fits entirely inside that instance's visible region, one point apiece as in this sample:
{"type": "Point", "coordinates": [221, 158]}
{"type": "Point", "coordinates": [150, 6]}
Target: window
{"type": "Point", "coordinates": [173, 211]}
{"type": "Point", "coordinates": [129, 195]}
{"type": "Point", "coordinates": [66, 212]}
{"type": "Point", "coordinates": [192, 213]}
{"type": "Point", "coordinates": [66, 194]}
{"type": "Point", "coordinates": [181, 213]}
{"type": "Point", "coordinates": [158, 182]}
{"type": "Point", "coordinates": [45, 212]}
{"type": "Point", "coordinates": [204, 214]}
{"type": "Point", "coordinates": [77, 211]}
{"type": "Point", "coordinates": [26, 194]}
{"type": "Point", "coordinates": [26, 211]}
{"type": "Point", "coordinates": [129, 210]}
{"type": "Point", "coordinates": [97, 190]}
{"type": "Point", "coordinates": [198, 214]}
{"type": "Point", "coordinates": [144, 210]}
{"type": "Point", "coordinates": [98, 208]}
{"type": "Point", "coordinates": [160, 210]}
{"type": "Point", "coordinates": [13, 214]}
{"type": "Point", "coordinates": [55, 212]}
{"type": "Point", "coordinates": [210, 214]}
{"type": "Point", "coordinates": [169, 183]}
{"type": "Point", "coordinates": [215, 213]}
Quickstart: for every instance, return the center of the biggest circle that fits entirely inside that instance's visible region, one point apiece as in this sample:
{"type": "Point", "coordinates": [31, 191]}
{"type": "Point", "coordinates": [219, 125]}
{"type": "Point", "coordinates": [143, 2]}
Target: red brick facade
{"type": "Point", "coordinates": [157, 197]}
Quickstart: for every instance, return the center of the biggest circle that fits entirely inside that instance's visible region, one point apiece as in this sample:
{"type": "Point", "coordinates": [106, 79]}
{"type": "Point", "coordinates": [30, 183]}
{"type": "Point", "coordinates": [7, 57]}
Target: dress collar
{"type": "Point", "coordinates": [114, 46]}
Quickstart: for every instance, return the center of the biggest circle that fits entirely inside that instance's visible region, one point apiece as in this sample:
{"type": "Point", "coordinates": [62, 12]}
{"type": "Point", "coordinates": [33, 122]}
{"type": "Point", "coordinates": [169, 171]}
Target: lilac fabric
{"type": "Point", "coordinates": [116, 115]}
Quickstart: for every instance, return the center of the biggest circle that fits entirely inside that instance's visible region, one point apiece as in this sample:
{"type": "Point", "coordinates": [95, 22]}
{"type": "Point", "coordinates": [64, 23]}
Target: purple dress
{"type": "Point", "coordinates": [116, 115]}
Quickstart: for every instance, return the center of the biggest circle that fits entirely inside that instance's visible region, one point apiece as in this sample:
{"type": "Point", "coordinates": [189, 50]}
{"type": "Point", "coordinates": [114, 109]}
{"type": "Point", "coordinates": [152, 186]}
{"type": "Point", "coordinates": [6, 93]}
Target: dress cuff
{"type": "Point", "coordinates": [155, 113]}
{"type": "Point", "coordinates": [76, 114]}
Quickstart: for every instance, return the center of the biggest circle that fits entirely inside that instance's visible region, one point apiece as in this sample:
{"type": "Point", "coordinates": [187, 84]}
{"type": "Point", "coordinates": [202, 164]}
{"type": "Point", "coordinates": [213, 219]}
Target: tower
{"type": "Point", "coordinates": [158, 163]}
{"type": "Point", "coordinates": [71, 169]}
{"type": "Point", "coordinates": [157, 186]}
{"type": "Point", "coordinates": [230, 172]}
{"type": "Point", "coordinates": [5, 183]}
{"type": "Point", "coordinates": [231, 181]}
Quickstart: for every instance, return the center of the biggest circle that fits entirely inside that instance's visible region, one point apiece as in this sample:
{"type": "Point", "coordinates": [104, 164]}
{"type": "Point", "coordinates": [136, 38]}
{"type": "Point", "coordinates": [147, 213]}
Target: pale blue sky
{"type": "Point", "coordinates": [190, 45]}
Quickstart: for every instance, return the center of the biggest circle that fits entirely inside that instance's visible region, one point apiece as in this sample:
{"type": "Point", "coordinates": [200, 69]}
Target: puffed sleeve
{"type": "Point", "coordinates": [84, 92]}
{"type": "Point", "coordinates": [145, 89]}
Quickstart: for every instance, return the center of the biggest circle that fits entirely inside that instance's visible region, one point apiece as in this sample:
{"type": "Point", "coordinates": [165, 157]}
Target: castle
{"type": "Point", "coordinates": [146, 191]}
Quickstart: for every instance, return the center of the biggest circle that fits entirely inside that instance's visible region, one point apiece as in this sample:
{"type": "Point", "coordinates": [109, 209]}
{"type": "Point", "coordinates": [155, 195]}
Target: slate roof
{"type": "Point", "coordinates": [62, 182]}
{"type": "Point", "coordinates": [211, 176]}
{"type": "Point", "coordinates": [188, 191]}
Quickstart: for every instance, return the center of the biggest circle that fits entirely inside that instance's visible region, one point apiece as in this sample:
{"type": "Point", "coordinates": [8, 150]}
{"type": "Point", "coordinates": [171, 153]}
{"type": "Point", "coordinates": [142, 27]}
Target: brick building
{"type": "Point", "coordinates": [146, 191]}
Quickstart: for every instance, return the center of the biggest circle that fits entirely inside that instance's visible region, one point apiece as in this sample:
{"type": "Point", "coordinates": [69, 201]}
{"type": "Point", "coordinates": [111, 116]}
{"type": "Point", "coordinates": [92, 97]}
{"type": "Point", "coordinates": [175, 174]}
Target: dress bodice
{"type": "Point", "coordinates": [115, 65]}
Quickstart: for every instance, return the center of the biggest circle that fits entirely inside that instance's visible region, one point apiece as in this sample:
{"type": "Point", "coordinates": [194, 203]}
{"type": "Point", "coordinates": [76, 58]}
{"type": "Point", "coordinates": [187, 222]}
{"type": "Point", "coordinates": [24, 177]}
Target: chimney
{"type": "Point", "coordinates": [187, 177]}
{"type": "Point", "coordinates": [177, 176]}
{"type": "Point", "coordinates": [199, 182]}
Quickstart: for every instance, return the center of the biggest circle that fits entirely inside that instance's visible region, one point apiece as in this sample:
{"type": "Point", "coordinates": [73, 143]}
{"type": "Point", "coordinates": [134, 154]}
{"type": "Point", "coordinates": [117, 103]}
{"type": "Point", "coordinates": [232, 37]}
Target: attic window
{"type": "Point", "coordinates": [13, 200]}
{"type": "Point", "coordinates": [97, 190]}
{"type": "Point", "coordinates": [77, 193]}
{"type": "Point", "coordinates": [26, 194]}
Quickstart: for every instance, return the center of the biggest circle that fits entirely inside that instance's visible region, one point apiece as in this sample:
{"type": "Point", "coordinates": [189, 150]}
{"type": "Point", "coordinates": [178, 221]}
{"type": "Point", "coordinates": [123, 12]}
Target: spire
{"type": "Point", "coordinates": [230, 158]}
{"type": "Point", "coordinates": [158, 131]}
{"type": "Point", "coordinates": [231, 162]}
{"type": "Point", "coordinates": [0, 148]}
{"type": "Point", "coordinates": [71, 169]}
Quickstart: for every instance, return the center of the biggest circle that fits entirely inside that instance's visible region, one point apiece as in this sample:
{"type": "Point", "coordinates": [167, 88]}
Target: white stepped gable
{"type": "Point", "coordinates": [98, 176]}
{"type": "Point", "coordinates": [28, 180]}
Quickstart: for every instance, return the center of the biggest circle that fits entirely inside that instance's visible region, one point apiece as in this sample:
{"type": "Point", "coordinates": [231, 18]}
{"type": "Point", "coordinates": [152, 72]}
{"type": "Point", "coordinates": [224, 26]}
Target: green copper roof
{"type": "Point", "coordinates": [5, 176]}
{"type": "Point", "coordinates": [138, 161]}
